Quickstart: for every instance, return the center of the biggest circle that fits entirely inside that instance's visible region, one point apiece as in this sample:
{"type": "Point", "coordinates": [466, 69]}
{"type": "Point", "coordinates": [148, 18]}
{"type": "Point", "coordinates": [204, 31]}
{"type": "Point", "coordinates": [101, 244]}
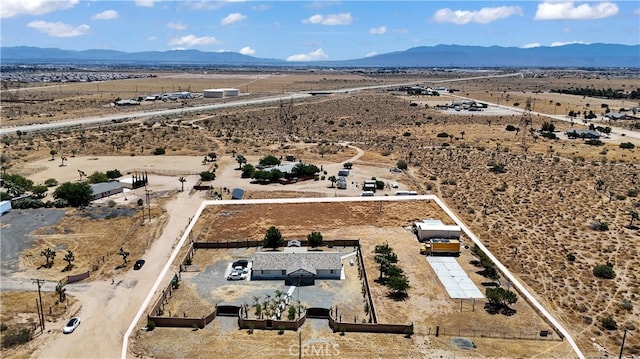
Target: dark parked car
{"type": "Point", "coordinates": [138, 264]}
{"type": "Point", "coordinates": [240, 263]}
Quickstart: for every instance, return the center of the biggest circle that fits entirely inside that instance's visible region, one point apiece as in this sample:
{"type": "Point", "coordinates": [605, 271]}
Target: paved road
{"type": "Point", "coordinates": [125, 343]}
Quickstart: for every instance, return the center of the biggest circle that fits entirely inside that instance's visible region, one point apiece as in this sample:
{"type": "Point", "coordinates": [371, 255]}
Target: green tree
{"type": "Point", "coordinates": [501, 297]}
{"type": "Point", "coordinates": [609, 323]}
{"type": "Point", "coordinates": [16, 184]}
{"type": "Point", "coordinates": [333, 180]}
{"type": "Point", "coordinates": [315, 239]}
{"type": "Point", "coordinates": [275, 174]}
{"type": "Point", "coordinates": [268, 161]}
{"type": "Point", "coordinates": [402, 164]}
{"type": "Point", "coordinates": [39, 191]}
{"type": "Point", "coordinates": [50, 182]}
{"type": "Point", "coordinates": [112, 174]}
{"type": "Point", "coordinates": [97, 177]}
{"type": "Point", "coordinates": [548, 127]}
{"type": "Point", "coordinates": [182, 181]}
{"type": "Point", "coordinates": [247, 171]}
{"type": "Point", "coordinates": [53, 154]}
{"type": "Point", "coordinates": [76, 194]}
{"type": "Point", "coordinates": [347, 165]}
{"type": "Point", "coordinates": [124, 255]}
{"type": "Point", "coordinates": [399, 285]}
{"type": "Point", "coordinates": [273, 238]}
{"type": "Point", "coordinates": [49, 255]}
{"type": "Point", "coordinates": [207, 176]}
{"type": "Point", "coordinates": [69, 258]}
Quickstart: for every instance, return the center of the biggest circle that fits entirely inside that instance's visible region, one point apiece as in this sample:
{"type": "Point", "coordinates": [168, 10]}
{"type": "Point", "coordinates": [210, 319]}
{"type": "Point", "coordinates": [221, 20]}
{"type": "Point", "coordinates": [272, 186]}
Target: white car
{"type": "Point", "coordinates": [236, 276]}
{"type": "Point", "coordinates": [71, 325]}
{"type": "Point", "coordinates": [240, 269]}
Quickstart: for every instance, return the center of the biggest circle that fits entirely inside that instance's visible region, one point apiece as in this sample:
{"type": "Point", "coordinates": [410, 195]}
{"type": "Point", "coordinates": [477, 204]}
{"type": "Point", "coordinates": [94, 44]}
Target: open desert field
{"type": "Point", "coordinates": [544, 206]}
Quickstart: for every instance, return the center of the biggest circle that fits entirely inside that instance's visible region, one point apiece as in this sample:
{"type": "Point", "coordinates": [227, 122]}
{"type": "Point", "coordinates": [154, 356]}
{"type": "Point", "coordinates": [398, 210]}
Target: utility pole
{"type": "Point", "coordinates": [41, 311]}
{"type": "Point", "coordinates": [148, 193]}
{"type": "Point", "coordinates": [622, 345]}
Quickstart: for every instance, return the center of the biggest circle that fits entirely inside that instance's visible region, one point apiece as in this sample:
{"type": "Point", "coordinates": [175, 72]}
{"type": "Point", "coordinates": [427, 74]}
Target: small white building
{"type": "Point", "coordinates": [433, 228]}
{"type": "Point", "coordinates": [229, 92]}
{"type": "Point", "coordinates": [296, 267]}
{"type": "Point", "coordinates": [213, 93]}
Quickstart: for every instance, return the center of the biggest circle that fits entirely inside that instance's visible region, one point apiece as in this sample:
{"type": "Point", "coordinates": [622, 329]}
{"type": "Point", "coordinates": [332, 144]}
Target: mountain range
{"type": "Point", "coordinates": [575, 55]}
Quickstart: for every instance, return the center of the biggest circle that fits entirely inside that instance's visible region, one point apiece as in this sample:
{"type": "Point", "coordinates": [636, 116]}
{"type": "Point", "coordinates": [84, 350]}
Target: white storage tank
{"type": "Point", "coordinates": [213, 93]}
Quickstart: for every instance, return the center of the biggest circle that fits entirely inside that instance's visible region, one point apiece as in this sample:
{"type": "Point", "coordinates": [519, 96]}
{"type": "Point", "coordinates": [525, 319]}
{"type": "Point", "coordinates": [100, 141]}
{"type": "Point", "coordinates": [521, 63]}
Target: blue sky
{"type": "Point", "coordinates": [312, 30]}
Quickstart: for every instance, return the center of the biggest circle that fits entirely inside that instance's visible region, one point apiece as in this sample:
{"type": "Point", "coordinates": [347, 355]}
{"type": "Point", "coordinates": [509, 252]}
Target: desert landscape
{"type": "Point", "coordinates": [550, 209]}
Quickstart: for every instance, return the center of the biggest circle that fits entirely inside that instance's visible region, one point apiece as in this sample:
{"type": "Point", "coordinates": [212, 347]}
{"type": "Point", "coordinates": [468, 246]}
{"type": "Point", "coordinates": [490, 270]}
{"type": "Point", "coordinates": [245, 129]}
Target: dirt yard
{"type": "Point", "coordinates": [532, 215]}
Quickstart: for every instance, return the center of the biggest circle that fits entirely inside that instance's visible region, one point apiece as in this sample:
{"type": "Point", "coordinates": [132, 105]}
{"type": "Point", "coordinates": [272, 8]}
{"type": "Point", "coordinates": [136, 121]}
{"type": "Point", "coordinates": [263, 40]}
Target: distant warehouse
{"type": "Point", "coordinates": [220, 93]}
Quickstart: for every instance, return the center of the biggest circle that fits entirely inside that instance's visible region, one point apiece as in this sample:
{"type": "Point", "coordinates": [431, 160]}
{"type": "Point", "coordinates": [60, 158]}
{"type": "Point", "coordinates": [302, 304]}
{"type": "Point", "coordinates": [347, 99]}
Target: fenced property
{"type": "Point", "coordinates": [546, 335]}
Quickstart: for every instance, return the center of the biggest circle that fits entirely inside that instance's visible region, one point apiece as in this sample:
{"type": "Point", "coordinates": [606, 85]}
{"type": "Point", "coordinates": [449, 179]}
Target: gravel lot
{"type": "Point", "coordinates": [16, 227]}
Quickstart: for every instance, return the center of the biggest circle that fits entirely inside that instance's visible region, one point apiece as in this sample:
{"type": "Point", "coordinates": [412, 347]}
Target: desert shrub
{"type": "Point", "coordinates": [442, 135]}
{"type": "Point", "coordinates": [15, 338]}
{"type": "Point", "coordinates": [627, 145]}
{"type": "Point", "coordinates": [626, 305]}
{"type": "Point", "coordinates": [609, 323]}
{"type": "Point", "coordinates": [50, 182]}
{"type": "Point", "coordinates": [151, 325]}
{"type": "Point", "coordinates": [599, 226]}
{"type": "Point", "coordinates": [620, 197]}
{"type": "Point", "coordinates": [406, 134]}
{"type": "Point", "coordinates": [604, 271]}
{"type": "Point", "coordinates": [594, 142]}
{"type": "Point", "coordinates": [632, 192]}
{"type": "Point", "coordinates": [510, 128]}
{"type": "Point", "coordinates": [27, 203]}
{"type": "Point", "coordinates": [159, 151]}
{"type": "Point", "coordinates": [428, 186]}
{"type": "Point", "coordinates": [402, 164]}
{"type": "Point", "coordinates": [3, 327]}
{"type": "Point", "coordinates": [571, 257]}
{"type": "Point", "coordinates": [113, 174]}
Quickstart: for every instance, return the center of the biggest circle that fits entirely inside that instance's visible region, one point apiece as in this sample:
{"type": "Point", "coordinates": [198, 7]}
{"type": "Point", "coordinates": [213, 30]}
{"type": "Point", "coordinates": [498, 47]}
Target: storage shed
{"type": "Point", "coordinates": [213, 93]}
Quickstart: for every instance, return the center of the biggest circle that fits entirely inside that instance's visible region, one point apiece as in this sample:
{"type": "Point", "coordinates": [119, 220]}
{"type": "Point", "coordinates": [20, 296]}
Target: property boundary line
{"type": "Point", "coordinates": [557, 326]}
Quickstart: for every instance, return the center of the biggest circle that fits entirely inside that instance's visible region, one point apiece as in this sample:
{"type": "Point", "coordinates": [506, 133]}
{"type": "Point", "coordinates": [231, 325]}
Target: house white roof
{"type": "Point", "coordinates": [292, 262]}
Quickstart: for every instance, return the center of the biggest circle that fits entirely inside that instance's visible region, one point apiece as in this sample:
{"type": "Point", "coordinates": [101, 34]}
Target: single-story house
{"type": "Point", "coordinates": [615, 116]}
{"type": "Point", "coordinates": [106, 189]}
{"type": "Point", "coordinates": [433, 228]}
{"type": "Point", "coordinates": [296, 267]}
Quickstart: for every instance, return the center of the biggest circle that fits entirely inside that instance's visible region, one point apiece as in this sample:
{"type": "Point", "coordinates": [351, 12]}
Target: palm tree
{"type": "Point", "coordinates": [182, 181]}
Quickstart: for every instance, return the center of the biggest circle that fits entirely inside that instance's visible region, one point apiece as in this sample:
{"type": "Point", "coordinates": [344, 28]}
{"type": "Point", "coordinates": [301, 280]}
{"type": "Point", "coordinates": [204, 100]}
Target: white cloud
{"type": "Point", "coordinates": [59, 29]}
{"type": "Point", "coordinates": [144, 3]}
{"type": "Point", "coordinates": [373, 53]}
{"type": "Point", "coordinates": [247, 51]}
{"type": "Point", "coordinates": [152, 38]}
{"type": "Point", "coordinates": [11, 8]}
{"type": "Point", "coordinates": [192, 40]}
{"type": "Point", "coordinates": [176, 25]}
{"type": "Point", "coordinates": [232, 18]}
{"type": "Point", "coordinates": [311, 56]}
{"type": "Point", "coordinates": [483, 16]}
{"type": "Point", "coordinates": [531, 45]}
{"type": "Point", "coordinates": [106, 15]}
{"type": "Point", "coordinates": [378, 30]}
{"type": "Point", "coordinates": [563, 43]}
{"type": "Point", "coordinates": [637, 11]}
{"type": "Point", "coordinates": [567, 10]}
{"type": "Point", "coordinates": [331, 19]}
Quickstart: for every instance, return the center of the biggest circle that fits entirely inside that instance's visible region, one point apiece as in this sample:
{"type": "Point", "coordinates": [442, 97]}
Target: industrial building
{"type": "Point", "coordinates": [220, 93]}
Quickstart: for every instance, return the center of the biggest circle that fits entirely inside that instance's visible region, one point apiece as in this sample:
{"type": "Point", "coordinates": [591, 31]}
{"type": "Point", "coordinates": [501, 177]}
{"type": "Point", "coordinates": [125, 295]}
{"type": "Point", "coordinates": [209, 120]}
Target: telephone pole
{"type": "Point", "coordinates": [40, 310]}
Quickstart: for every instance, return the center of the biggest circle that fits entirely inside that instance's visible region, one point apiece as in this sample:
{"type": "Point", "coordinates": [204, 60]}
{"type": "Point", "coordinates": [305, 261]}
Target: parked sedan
{"type": "Point", "coordinates": [138, 264]}
{"type": "Point", "coordinates": [234, 275]}
{"type": "Point", "coordinates": [71, 325]}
